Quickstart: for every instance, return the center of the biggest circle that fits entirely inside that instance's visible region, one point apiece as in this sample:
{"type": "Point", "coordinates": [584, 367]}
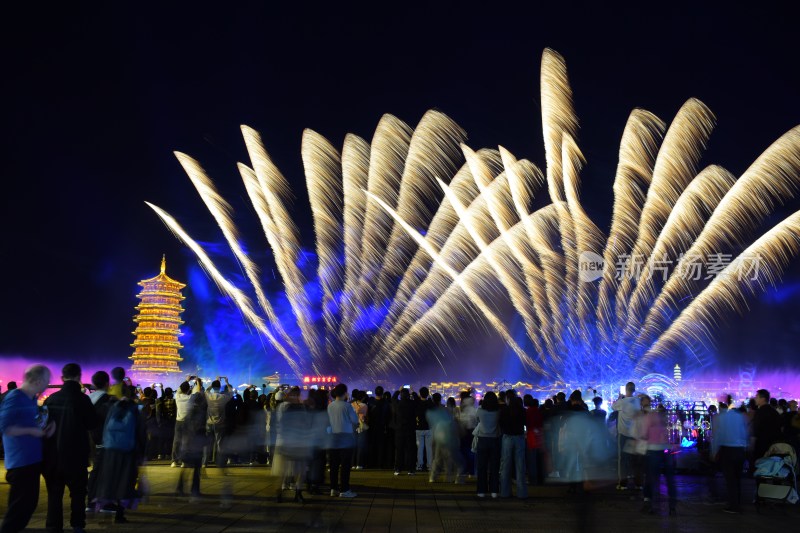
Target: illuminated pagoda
{"type": "Point", "coordinates": [156, 346]}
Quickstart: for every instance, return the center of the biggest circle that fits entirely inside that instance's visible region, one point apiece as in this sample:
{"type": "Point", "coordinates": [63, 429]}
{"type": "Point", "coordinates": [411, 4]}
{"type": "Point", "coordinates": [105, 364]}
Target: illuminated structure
{"type": "Point", "coordinates": [676, 373]}
{"type": "Point", "coordinates": [156, 345]}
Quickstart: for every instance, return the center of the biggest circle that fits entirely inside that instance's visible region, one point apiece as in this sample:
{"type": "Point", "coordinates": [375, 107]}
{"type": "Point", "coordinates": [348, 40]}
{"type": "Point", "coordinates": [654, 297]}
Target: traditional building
{"type": "Point", "coordinates": [156, 346]}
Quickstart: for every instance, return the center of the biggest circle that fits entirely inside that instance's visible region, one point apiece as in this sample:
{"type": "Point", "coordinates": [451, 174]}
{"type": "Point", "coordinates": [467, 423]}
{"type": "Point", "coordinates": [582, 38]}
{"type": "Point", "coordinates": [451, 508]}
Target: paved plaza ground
{"type": "Point", "coordinates": [410, 503]}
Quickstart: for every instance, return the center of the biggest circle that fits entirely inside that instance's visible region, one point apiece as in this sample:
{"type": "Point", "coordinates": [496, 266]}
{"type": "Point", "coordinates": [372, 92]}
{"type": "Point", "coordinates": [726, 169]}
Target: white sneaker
{"type": "Point", "coordinates": [481, 495]}
{"type": "Point", "coordinates": [396, 472]}
{"type": "Point", "coordinates": [334, 492]}
{"type": "Point", "coordinates": [173, 465]}
{"type": "Point", "coordinates": [348, 494]}
{"type": "Point", "coordinates": [494, 495]}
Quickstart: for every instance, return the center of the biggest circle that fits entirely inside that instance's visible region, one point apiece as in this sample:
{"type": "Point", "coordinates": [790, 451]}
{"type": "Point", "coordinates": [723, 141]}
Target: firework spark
{"type": "Point", "coordinates": [418, 236]}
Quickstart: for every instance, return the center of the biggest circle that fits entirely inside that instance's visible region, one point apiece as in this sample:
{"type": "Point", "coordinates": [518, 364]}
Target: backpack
{"type": "Point", "coordinates": [119, 432]}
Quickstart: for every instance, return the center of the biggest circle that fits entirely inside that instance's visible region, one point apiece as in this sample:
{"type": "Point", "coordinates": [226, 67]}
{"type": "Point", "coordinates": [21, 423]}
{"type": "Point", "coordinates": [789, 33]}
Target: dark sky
{"type": "Point", "coordinates": [95, 99]}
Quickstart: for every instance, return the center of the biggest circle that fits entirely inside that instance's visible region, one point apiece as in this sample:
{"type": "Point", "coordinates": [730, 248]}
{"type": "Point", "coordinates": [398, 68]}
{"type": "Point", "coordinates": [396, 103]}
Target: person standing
{"type": "Point", "coordinates": [23, 427]}
{"type": "Point", "coordinates": [194, 439]}
{"type": "Point", "coordinates": [728, 449]}
{"type": "Point", "coordinates": [423, 431]}
{"type": "Point", "coordinates": [766, 426]}
{"type": "Point", "coordinates": [67, 452]}
{"type": "Point", "coordinates": [124, 439]}
{"type": "Point", "coordinates": [403, 414]}
{"type": "Point", "coordinates": [628, 408]}
{"type": "Point", "coordinates": [654, 433]}
{"type": "Point", "coordinates": [166, 413]}
{"type": "Point", "coordinates": [488, 449]}
{"type": "Point", "coordinates": [362, 431]}
{"type": "Point", "coordinates": [181, 409]}
{"type": "Point", "coordinates": [343, 421]}
{"type": "Point", "coordinates": [534, 440]}
{"type": "Point", "coordinates": [467, 421]}
{"type": "Point", "coordinates": [217, 399]}
{"type": "Point", "coordinates": [512, 428]}
{"type": "Point", "coordinates": [101, 401]}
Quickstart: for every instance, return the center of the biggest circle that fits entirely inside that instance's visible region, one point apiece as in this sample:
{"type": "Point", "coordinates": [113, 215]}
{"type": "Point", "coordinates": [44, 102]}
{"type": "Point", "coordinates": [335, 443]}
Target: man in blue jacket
{"type": "Point", "coordinates": [23, 427]}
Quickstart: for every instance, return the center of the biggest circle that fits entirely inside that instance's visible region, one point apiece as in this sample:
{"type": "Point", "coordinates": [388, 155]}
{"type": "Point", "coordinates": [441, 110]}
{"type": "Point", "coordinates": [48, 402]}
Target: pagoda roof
{"type": "Point", "coordinates": [162, 276]}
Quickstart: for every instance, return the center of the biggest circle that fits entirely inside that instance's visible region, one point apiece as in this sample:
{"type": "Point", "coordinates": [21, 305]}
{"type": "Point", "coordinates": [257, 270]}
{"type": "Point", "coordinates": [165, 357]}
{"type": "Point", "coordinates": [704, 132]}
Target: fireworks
{"type": "Point", "coordinates": [419, 238]}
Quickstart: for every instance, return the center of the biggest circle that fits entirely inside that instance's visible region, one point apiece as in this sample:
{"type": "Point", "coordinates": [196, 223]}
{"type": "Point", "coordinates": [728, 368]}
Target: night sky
{"type": "Point", "coordinates": [97, 98]}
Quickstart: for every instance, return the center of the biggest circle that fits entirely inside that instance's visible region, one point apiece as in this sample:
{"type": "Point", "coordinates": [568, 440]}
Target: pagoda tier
{"type": "Point", "coordinates": [156, 345]}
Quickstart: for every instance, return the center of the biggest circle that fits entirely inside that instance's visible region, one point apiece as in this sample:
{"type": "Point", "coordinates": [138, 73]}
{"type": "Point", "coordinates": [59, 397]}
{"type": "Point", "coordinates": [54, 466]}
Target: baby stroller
{"type": "Point", "coordinates": [776, 479]}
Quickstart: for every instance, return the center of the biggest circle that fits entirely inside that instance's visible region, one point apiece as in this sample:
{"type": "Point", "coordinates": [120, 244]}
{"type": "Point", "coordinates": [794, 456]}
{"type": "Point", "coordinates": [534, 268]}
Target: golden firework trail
{"type": "Point", "coordinates": [420, 239]}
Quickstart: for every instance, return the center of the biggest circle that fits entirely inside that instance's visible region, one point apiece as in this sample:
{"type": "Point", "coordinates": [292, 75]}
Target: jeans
{"type": "Point", "coordinates": [56, 482]}
{"type": "Point", "coordinates": [23, 497]}
{"type": "Point", "coordinates": [513, 450]}
{"type": "Point", "coordinates": [177, 440]}
{"type": "Point", "coordinates": [731, 462]}
{"type": "Point", "coordinates": [424, 444]}
{"type": "Point", "coordinates": [340, 459]}
{"type": "Point", "coordinates": [97, 464]}
{"type": "Point", "coordinates": [193, 461]}
{"type": "Point", "coordinates": [656, 459]}
{"type": "Point", "coordinates": [361, 448]}
{"type": "Point", "coordinates": [488, 459]}
{"type": "Point", "coordinates": [628, 464]}
{"type": "Point", "coordinates": [532, 464]}
{"type": "Point", "coordinates": [466, 453]}
{"type": "Point", "coordinates": [216, 431]}
{"type": "Point", "coordinates": [403, 450]}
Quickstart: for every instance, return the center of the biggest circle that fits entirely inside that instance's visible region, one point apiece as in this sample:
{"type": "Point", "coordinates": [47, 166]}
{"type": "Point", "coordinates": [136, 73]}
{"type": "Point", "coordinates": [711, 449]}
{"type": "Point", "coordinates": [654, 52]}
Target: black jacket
{"type": "Point", "coordinates": [73, 413]}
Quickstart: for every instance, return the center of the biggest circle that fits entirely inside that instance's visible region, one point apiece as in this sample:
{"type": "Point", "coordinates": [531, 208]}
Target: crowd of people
{"type": "Point", "coordinates": [502, 442]}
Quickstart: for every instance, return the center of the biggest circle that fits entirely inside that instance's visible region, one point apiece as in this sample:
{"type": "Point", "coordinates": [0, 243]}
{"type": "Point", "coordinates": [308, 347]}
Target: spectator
{"type": "Point", "coordinates": [467, 420]}
{"type": "Point", "coordinates": [67, 452]}
{"type": "Point", "coordinates": [343, 421]}
{"type": "Point", "coordinates": [101, 402]}
{"type": "Point", "coordinates": [403, 416]}
{"type": "Point", "coordinates": [488, 446]}
{"type": "Point", "coordinates": [512, 428]}
{"type": "Point", "coordinates": [627, 407]}
{"type": "Point", "coordinates": [166, 416]}
{"type": "Point", "coordinates": [378, 415]}
{"type": "Point", "coordinates": [181, 409]}
{"type": "Point", "coordinates": [117, 387]}
{"type": "Point", "coordinates": [766, 425]}
{"type": "Point", "coordinates": [534, 439]}
{"type": "Point", "coordinates": [293, 445]}
{"type": "Point", "coordinates": [362, 431]}
{"type": "Point", "coordinates": [728, 449]}
{"type": "Point", "coordinates": [423, 431]}
{"type": "Point", "coordinates": [123, 451]}
{"type": "Point", "coordinates": [194, 438]}
{"type": "Point", "coordinates": [217, 399]}
{"type": "Point", "coordinates": [23, 426]}
{"type": "Point", "coordinates": [654, 433]}
{"type": "Point", "coordinates": [444, 434]}
{"type": "Point", "coordinates": [598, 413]}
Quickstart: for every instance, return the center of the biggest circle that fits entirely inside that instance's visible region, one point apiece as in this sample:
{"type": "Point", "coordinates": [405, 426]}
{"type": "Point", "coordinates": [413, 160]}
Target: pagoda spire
{"type": "Point", "coordinates": [164, 264]}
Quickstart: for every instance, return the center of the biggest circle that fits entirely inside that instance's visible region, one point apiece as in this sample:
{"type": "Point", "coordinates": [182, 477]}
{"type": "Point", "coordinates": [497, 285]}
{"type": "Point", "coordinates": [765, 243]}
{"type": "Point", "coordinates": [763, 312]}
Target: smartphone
{"type": "Point", "coordinates": [407, 387]}
{"type": "Point", "coordinates": [622, 390]}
